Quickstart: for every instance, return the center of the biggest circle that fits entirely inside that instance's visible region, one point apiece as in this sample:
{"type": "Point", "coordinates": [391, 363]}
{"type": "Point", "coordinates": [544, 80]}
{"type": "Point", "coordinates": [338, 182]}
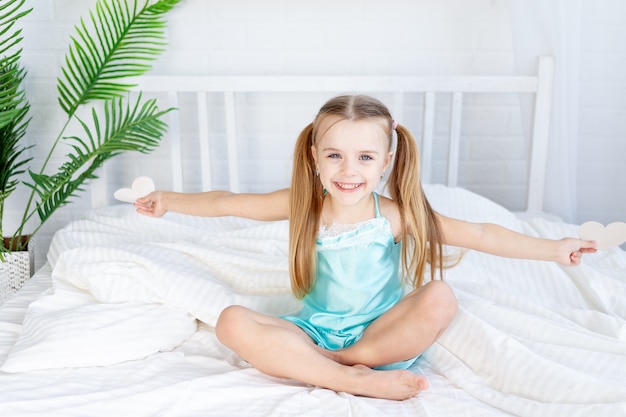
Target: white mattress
{"type": "Point", "coordinates": [119, 322]}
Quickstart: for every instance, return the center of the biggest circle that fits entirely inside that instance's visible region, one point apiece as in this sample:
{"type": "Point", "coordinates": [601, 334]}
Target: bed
{"type": "Point", "coordinates": [119, 321]}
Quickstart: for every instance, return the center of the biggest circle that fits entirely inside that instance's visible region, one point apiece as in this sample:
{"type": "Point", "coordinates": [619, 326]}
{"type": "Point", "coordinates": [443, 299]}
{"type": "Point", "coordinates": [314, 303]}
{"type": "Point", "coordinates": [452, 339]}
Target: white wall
{"type": "Point", "coordinates": [362, 37]}
{"type": "Point", "coordinates": [602, 135]}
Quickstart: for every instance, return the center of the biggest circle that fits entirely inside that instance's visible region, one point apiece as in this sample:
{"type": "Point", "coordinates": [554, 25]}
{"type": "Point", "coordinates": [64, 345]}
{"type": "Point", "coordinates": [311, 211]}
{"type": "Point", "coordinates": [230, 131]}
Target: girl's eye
{"type": "Point", "coordinates": [333, 155]}
{"type": "Point", "coordinates": [366, 158]}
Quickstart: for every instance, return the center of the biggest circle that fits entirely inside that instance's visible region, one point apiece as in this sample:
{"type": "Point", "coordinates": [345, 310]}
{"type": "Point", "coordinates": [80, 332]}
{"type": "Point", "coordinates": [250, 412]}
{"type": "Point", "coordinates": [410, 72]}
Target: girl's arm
{"type": "Point", "coordinates": [498, 240]}
{"type": "Point", "coordinates": [271, 206]}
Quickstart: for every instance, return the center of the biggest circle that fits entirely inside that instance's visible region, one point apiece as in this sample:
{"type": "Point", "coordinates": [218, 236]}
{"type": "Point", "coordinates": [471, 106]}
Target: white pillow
{"type": "Point", "coordinates": [66, 329]}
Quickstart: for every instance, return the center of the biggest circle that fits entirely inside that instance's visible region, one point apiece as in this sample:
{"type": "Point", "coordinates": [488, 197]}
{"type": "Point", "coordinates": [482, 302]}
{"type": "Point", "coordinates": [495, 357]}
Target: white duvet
{"type": "Point", "coordinates": [120, 322]}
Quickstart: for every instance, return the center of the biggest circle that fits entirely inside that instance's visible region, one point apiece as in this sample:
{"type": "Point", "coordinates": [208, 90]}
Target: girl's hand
{"type": "Point", "coordinates": [571, 250]}
{"type": "Point", "coordinates": [152, 205]}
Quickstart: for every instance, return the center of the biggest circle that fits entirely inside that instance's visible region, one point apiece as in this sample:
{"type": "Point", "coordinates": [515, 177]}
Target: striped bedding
{"type": "Point", "coordinates": [120, 322]}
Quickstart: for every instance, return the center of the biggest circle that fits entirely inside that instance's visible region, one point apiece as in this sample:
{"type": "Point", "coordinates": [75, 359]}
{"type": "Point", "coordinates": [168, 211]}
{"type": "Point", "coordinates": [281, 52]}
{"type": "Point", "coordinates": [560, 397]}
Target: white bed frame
{"type": "Point", "coordinates": [540, 85]}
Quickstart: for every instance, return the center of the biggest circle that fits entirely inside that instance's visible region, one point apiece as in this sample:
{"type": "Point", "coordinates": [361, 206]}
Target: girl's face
{"type": "Point", "coordinates": [351, 157]}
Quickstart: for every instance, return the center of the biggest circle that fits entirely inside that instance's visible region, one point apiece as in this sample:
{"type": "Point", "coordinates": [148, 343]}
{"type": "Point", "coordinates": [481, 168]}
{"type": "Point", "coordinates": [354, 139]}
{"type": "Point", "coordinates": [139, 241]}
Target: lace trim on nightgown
{"type": "Point", "coordinates": [337, 228]}
{"type": "Point", "coordinates": [358, 234]}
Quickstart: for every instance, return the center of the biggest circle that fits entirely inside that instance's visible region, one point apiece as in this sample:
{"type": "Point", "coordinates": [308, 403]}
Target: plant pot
{"type": "Point", "coordinates": [17, 268]}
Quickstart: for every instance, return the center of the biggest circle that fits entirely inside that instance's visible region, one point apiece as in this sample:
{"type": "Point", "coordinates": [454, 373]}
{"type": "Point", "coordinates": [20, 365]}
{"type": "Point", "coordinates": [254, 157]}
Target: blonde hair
{"type": "Point", "coordinates": [421, 234]}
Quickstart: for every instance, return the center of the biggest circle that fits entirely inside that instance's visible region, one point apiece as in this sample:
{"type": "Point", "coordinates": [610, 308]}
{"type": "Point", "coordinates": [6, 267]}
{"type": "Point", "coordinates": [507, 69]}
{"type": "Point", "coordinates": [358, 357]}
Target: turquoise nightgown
{"type": "Point", "coordinates": [357, 281]}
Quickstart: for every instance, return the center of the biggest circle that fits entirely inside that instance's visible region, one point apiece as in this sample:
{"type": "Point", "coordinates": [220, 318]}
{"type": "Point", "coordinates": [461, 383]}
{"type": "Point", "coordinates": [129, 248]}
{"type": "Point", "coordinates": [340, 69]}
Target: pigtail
{"type": "Point", "coordinates": [421, 232]}
{"type": "Point", "coordinates": [305, 207]}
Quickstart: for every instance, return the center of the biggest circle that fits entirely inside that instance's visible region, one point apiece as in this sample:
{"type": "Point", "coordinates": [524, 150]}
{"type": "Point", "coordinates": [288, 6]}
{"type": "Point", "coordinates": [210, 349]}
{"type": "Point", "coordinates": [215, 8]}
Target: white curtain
{"type": "Point", "coordinates": [553, 27]}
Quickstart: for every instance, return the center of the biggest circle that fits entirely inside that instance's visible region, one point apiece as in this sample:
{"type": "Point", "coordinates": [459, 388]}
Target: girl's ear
{"type": "Point", "coordinates": [388, 160]}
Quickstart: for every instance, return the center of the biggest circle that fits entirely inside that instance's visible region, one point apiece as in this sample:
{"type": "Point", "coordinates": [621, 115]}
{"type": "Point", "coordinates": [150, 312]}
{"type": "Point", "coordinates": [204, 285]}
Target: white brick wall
{"type": "Point", "coordinates": [367, 37]}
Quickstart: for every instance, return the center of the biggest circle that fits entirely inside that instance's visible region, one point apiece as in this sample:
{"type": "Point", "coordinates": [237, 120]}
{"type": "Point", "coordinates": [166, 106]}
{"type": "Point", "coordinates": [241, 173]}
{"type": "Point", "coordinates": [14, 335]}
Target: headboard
{"type": "Point", "coordinates": [230, 88]}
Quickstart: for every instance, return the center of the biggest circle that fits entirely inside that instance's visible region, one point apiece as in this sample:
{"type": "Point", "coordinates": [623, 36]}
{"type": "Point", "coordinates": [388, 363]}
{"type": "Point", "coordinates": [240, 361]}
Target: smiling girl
{"type": "Point", "coordinates": [350, 249]}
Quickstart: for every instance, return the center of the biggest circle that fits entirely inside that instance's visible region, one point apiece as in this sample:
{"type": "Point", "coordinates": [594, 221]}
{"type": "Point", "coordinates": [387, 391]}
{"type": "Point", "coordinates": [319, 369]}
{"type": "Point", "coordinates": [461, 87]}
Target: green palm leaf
{"type": "Point", "coordinates": [9, 14]}
{"type": "Point", "coordinates": [137, 127]}
{"type": "Point", "coordinates": [13, 110]}
{"type": "Point", "coordinates": [13, 105]}
{"type": "Point", "coordinates": [121, 44]}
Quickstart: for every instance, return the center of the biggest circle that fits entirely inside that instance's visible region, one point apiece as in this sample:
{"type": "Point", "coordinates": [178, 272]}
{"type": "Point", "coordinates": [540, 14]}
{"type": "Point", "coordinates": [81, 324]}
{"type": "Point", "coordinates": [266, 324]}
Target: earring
{"type": "Point", "coordinates": [317, 172]}
{"type": "Point", "coordinates": [382, 175]}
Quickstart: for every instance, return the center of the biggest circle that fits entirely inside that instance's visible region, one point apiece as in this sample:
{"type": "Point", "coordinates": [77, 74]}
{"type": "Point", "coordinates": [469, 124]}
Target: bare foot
{"type": "Point", "coordinates": [392, 385]}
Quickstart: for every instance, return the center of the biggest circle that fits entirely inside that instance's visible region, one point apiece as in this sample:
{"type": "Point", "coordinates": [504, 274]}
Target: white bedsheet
{"type": "Point", "coordinates": [113, 330]}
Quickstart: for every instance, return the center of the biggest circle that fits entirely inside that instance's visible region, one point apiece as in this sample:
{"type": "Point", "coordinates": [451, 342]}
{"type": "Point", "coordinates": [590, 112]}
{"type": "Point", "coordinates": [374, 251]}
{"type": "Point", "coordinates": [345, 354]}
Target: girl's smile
{"type": "Point", "coordinates": [348, 187]}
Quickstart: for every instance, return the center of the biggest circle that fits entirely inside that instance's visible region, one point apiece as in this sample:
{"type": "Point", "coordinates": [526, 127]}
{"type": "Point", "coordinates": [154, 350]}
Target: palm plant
{"type": "Point", "coordinates": [13, 105]}
{"type": "Point", "coordinates": [120, 44]}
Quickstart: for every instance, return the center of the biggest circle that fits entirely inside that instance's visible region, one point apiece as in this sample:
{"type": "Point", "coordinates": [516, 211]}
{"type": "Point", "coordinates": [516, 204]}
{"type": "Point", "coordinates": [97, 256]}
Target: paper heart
{"type": "Point", "coordinates": [614, 234]}
{"type": "Point", "coordinates": [141, 187]}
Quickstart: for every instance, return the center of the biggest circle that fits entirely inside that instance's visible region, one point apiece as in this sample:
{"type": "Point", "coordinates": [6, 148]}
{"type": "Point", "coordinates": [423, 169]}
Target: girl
{"type": "Point", "coordinates": [357, 332]}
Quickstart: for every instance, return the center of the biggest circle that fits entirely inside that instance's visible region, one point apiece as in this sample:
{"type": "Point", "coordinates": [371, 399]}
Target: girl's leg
{"type": "Point", "coordinates": [281, 349]}
{"type": "Point", "coordinates": [406, 330]}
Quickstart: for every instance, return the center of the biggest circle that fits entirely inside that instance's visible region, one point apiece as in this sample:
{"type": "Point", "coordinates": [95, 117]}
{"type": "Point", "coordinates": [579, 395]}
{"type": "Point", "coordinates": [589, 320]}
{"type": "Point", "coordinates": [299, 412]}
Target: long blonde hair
{"type": "Point", "coordinates": [421, 235]}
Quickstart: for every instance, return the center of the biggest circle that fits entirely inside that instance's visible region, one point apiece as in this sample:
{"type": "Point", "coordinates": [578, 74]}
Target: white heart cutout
{"type": "Point", "coordinates": [141, 187]}
{"type": "Point", "coordinates": [614, 234]}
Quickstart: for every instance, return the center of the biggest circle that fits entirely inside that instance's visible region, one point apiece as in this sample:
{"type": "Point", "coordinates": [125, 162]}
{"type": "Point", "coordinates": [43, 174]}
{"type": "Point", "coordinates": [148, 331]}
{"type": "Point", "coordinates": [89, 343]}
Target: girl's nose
{"type": "Point", "coordinates": [348, 167]}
